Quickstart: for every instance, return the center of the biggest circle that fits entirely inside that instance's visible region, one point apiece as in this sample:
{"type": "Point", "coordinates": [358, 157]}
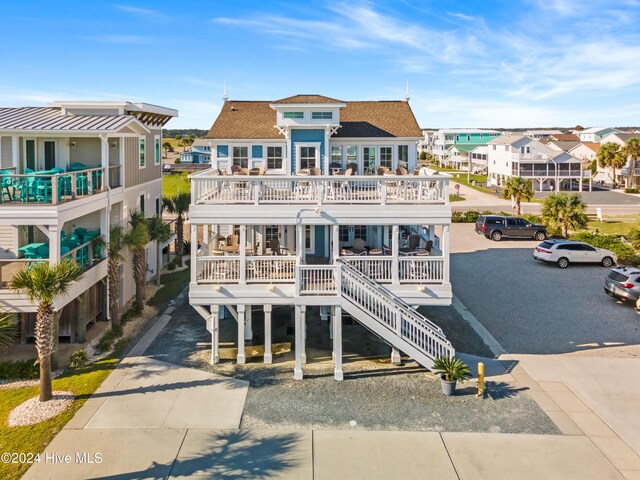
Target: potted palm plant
{"type": "Point", "coordinates": [451, 371]}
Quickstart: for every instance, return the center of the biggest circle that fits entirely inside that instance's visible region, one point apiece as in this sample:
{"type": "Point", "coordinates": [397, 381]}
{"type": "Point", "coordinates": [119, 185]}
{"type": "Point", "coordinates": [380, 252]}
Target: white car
{"type": "Point", "coordinates": [564, 252]}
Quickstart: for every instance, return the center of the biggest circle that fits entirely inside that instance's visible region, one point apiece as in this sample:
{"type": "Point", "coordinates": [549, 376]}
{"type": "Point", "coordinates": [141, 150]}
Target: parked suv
{"type": "Point", "coordinates": [495, 227]}
{"type": "Point", "coordinates": [564, 252]}
{"type": "Point", "coordinates": [623, 284]}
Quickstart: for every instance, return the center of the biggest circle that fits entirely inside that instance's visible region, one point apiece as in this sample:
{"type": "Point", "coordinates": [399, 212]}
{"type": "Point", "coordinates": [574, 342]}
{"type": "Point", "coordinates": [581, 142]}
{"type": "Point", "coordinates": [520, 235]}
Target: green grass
{"type": "Point", "coordinates": [616, 226]}
{"type": "Point", "coordinates": [173, 283]}
{"type": "Point", "coordinates": [34, 438]}
{"type": "Point", "coordinates": [175, 182]}
{"type": "Point", "coordinates": [455, 198]}
{"type": "Point", "coordinates": [462, 179]}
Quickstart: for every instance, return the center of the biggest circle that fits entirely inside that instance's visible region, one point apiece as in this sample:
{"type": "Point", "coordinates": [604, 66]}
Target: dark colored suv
{"type": "Point", "coordinates": [495, 227]}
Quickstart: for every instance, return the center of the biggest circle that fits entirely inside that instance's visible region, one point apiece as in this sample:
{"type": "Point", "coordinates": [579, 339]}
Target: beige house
{"type": "Point", "coordinates": [70, 171]}
{"type": "Point", "coordinates": [629, 175]}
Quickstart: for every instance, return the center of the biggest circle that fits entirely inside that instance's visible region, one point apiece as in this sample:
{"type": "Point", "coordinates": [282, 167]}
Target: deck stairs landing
{"type": "Point", "coordinates": [390, 318]}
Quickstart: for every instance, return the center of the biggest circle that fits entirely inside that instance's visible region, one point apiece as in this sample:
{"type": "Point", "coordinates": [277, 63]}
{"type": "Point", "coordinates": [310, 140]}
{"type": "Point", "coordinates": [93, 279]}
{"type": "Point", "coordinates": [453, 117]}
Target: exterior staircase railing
{"type": "Point", "coordinates": [391, 318]}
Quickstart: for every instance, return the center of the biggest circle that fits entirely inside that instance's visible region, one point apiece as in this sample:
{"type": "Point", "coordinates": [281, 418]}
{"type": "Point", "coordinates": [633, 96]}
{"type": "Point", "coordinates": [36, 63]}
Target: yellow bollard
{"type": "Point", "coordinates": [480, 392]}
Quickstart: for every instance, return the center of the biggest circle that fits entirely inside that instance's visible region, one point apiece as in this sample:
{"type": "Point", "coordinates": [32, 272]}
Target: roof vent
{"type": "Point", "coordinates": [233, 109]}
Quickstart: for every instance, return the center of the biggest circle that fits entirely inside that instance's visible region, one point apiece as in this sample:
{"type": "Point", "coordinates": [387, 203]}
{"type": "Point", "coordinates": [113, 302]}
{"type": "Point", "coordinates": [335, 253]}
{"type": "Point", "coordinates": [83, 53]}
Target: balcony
{"type": "Point", "coordinates": [551, 171]}
{"type": "Point", "coordinates": [533, 156]}
{"type": "Point", "coordinates": [54, 186]}
{"type": "Point", "coordinates": [209, 188]}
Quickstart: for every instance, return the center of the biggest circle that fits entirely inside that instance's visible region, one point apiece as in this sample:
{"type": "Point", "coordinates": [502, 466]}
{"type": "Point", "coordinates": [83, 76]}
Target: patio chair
{"type": "Point", "coordinates": [428, 246]}
{"type": "Point", "coordinates": [381, 170]}
{"type": "Point", "coordinates": [254, 172]}
{"type": "Point", "coordinates": [6, 185]}
{"type": "Point", "coordinates": [414, 241]}
{"type": "Point", "coordinates": [234, 169]}
{"type": "Point", "coordinates": [42, 251]}
{"type": "Point", "coordinates": [358, 246]}
{"type": "Point", "coordinates": [232, 240]}
{"type": "Point", "coordinates": [276, 249]}
{"type": "Point", "coordinates": [353, 167]}
{"type": "Point", "coordinates": [402, 171]}
{"type": "Point", "coordinates": [315, 171]}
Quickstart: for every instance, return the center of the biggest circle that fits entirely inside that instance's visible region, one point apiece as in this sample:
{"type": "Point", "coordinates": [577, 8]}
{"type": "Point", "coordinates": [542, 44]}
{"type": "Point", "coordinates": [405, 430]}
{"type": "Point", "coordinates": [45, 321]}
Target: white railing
{"type": "Point", "coordinates": [421, 270]}
{"type": "Point", "coordinates": [318, 280]}
{"type": "Point", "coordinates": [271, 269]}
{"type": "Point", "coordinates": [218, 269]}
{"type": "Point", "coordinates": [377, 268]}
{"type": "Point", "coordinates": [400, 319]}
{"type": "Point", "coordinates": [210, 188]}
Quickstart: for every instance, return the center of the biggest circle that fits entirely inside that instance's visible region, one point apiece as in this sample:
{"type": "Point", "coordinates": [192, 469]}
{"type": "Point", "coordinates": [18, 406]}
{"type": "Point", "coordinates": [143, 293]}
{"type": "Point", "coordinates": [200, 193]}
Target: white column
{"type": "Point", "coordinates": [267, 334]}
{"type": "Point", "coordinates": [215, 334]}
{"type": "Point", "coordinates": [243, 255]}
{"type": "Point", "coordinates": [194, 252]}
{"type": "Point", "coordinates": [395, 252]}
{"type": "Point", "coordinates": [395, 356]}
{"type": "Point", "coordinates": [248, 323]}
{"type": "Point", "coordinates": [303, 315]}
{"type": "Point", "coordinates": [15, 152]}
{"type": "Point", "coordinates": [104, 157]}
{"type": "Point", "coordinates": [54, 244]}
{"type": "Point", "coordinates": [297, 372]}
{"type": "Point", "coordinates": [444, 247]}
{"type": "Point", "coordinates": [205, 238]}
{"type": "Point", "coordinates": [241, 355]}
{"type": "Point", "coordinates": [337, 342]}
{"type": "Point", "coordinates": [335, 231]}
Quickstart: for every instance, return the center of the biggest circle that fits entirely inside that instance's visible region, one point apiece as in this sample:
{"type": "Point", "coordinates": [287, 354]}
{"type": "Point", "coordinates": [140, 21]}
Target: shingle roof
{"type": "Point", "coordinates": [256, 119]}
{"type": "Point", "coordinates": [564, 146]}
{"type": "Point", "coordinates": [565, 137]}
{"type": "Point", "coordinates": [308, 99]}
{"type": "Point", "coordinates": [245, 119]}
{"type": "Point", "coordinates": [50, 118]}
{"type": "Point", "coordinates": [506, 139]}
{"type": "Point", "coordinates": [625, 137]}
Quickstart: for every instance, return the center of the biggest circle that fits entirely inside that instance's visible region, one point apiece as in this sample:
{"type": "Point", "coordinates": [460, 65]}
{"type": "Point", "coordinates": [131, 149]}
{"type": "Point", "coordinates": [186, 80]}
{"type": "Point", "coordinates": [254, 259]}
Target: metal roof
{"type": "Point", "coordinates": [51, 119]}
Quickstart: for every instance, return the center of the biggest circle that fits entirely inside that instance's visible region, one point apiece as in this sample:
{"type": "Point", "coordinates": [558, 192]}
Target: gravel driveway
{"type": "Point", "coordinates": [537, 308]}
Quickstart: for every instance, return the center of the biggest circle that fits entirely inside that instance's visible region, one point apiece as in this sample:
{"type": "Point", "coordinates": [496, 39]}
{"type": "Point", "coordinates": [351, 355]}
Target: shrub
{"type": "Point", "coordinates": [452, 369]}
{"type": "Point", "coordinates": [106, 342]}
{"type": "Point", "coordinates": [625, 252]}
{"type": "Point", "coordinates": [471, 216]}
{"type": "Point", "coordinates": [177, 160]}
{"type": "Point", "coordinates": [133, 312]}
{"type": "Point", "coordinates": [14, 369]}
{"type": "Point", "coordinates": [171, 266]}
{"type": "Point", "coordinates": [632, 190]}
{"type": "Point", "coordinates": [78, 359]}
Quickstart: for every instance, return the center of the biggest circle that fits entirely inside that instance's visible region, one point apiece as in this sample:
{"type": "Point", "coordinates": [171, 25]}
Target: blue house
{"type": "Point", "coordinates": [200, 152]}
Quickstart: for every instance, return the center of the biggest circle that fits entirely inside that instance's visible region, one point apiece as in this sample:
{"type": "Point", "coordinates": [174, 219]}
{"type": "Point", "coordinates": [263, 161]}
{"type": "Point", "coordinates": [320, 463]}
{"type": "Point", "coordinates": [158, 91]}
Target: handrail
{"type": "Point", "coordinates": [346, 268]}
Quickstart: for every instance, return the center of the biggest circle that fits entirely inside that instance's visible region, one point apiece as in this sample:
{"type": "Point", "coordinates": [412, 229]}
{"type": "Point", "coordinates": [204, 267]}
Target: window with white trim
{"type": "Point", "coordinates": [307, 157]}
{"type": "Point", "coordinates": [403, 156]}
{"type": "Point", "coordinates": [158, 150]}
{"type": "Point", "coordinates": [293, 114]}
{"type": "Point", "coordinates": [142, 155]}
{"type": "Point", "coordinates": [142, 203]}
{"type": "Point", "coordinates": [274, 158]}
{"type": "Point", "coordinates": [343, 233]}
{"type": "Point", "coordinates": [309, 238]}
{"type": "Point", "coordinates": [352, 154]}
{"type": "Point", "coordinates": [321, 115]}
{"type": "Point", "coordinates": [336, 154]}
{"type": "Point", "coordinates": [271, 232]}
{"type": "Point", "coordinates": [386, 157]}
{"type": "Point", "coordinates": [360, 231]}
{"type": "Point", "coordinates": [241, 156]}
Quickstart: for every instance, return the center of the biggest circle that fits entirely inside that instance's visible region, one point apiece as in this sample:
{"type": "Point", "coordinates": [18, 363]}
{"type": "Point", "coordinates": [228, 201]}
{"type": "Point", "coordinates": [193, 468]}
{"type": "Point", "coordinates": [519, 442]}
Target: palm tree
{"type": "Point", "coordinates": [632, 151]}
{"type": "Point", "coordinates": [159, 232]}
{"type": "Point", "coordinates": [178, 204]}
{"type": "Point", "coordinates": [8, 331]}
{"type": "Point", "coordinates": [115, 259]}
{"type": "Point", "coordinates": [166, 146]}
{"type": "Point", "coordinates": [565, 212]}
{"type": "Point", "coordinates": [178, 139]}
{"type": "Point", "coordinates": [136, 239]}
{"type": "Point", "coordinates": [610, 155]}
{"type": "Point", "coordinates": [42, 283]}
{"type": "Point", "coordinates": [189, 140]}
{"type": "Point", "coordinates": [517, 189]}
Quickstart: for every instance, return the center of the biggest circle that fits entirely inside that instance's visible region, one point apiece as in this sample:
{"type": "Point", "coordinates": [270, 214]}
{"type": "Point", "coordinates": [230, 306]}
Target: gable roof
{"type": "Point", "coordinates": [591, 145]}
{"type": "Point", "coordinates": [256, 119]}
{"type": "Point", "coordinates": [564, 146]}
{"type": "Point", "coordinates": [565, 137]}
{"type": "Point", "coordinates": [597, 130]}
{"type": "Point", "coordinates": [506, 139]}
{"type": "Point", "coordinates": [466, 147]}
{"type": "Point", "coordinates": [51, 119]}
{"type": "Point", "coordinates": [625, 137]}
{"type": "Point", "coordinates": [307, 99]}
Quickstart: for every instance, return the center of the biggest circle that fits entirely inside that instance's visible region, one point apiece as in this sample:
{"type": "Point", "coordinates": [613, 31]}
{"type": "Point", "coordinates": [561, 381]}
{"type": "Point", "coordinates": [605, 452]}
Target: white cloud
{"type": "Point", "coordinates": [145, 13]}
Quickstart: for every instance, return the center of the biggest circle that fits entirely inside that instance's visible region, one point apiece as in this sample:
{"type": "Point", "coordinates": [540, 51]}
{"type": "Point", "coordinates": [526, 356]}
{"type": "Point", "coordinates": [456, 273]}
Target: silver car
{"type": "Point", "coordinates": [564, 252]}
{"type": "Point", "coordinates": [624, 284]}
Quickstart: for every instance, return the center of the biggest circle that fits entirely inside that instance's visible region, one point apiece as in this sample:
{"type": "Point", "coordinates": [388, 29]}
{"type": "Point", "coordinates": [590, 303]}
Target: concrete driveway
{"type": "Point", "coordinates": [536, 308]}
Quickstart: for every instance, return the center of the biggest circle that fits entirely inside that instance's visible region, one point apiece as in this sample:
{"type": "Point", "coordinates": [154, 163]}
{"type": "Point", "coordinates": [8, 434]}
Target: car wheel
{"type": "Point", "coordinates": [563, 262]}
{"type": "Point", "coordinates": [540, 236]}
{"type": "Point", "coordinates": [496, 236]}
{"type": "Point", "coordinates": [607, 262]}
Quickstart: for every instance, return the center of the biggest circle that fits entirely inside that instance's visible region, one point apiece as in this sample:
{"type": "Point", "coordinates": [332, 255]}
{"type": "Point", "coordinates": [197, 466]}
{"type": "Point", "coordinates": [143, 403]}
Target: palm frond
{"type": "Point", "coordinates": [8, 330]}
{"type": "Point", "coordinates": [43, 283]}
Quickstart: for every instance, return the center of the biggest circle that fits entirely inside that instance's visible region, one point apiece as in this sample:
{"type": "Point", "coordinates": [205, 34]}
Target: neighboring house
{"type": "Point", "coordinates": [521, 156]}
{"type": "Point", "coordinates": [71, 170]}
{"type": "Point", "coordinates": [426, 144]}
{"type": "Point", "coordinates": [564, 137]}
{"type": "Point", "coordinates": [307, 235]}
{"type": "Point", "coordinates": [629, 174]}
{"type": "Point", "coordinates": [479, 159]}
{"type": "Point", "coordinates": [541, 134]}
{"type": "Point", "coordinates": [446, 138]}
{"type": "Point", "coordinates": [200, 152]}
{"type": "Point", "coordinates": [560, 145]}
{"type": "Point", "coordinates": [596, 134]}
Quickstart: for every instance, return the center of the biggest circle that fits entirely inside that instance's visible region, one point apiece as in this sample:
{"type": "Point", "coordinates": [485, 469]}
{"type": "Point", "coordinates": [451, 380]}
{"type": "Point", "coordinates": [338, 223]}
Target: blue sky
{"type": "Point", "coordinates": [469, 63]}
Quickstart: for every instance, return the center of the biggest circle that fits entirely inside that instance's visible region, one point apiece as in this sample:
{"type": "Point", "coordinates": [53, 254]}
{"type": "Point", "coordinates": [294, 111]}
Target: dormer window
{"type": "Point", "coordinates": [321, 115]}
{"type": "Point", "coordinates": [293, 114]}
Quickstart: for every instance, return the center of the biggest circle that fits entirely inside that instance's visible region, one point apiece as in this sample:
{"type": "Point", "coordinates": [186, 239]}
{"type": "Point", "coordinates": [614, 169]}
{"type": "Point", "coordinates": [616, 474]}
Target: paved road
{"type": "Point", "coordinates": [532, 307]}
